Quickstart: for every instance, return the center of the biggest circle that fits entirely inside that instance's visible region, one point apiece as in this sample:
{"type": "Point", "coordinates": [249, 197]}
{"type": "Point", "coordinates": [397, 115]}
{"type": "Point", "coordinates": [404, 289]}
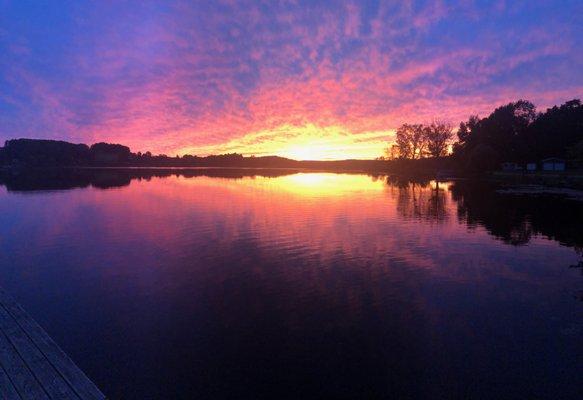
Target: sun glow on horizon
{"type": "Point", "coordinates": [304, 142]}
{"type": "Point", "coordinates": [309, 151]}
{"type": "Point", "coordinates": [301, 184]}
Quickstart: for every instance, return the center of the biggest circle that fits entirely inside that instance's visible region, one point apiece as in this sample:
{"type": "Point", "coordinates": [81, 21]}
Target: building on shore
{"type": "Point", "coordinates": [511, 166]}
{"type": "Point", "coordinates": [553, 164]}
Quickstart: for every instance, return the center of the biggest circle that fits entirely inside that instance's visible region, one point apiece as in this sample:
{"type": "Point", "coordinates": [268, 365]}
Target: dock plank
{"type": "Point", "coordinates": [20, 375]}
{"type": "Point", "coordinates": [71, 382]}
{"type": "Point", "coordinates": [7, 389]}
{"type": "Point", "coordinates": [51, 381]}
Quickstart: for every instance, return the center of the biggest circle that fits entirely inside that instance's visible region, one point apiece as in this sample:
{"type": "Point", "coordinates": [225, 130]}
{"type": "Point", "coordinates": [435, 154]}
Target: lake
{"type": "Point", "coordinates": [250, 284]}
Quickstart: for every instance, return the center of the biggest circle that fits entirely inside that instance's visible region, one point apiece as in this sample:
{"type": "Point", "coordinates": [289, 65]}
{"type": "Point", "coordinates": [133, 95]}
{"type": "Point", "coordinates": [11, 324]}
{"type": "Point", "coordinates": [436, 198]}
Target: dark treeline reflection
{"type": "Point", "coordinates": [109, 178]}
{"type": "Point", "coordinates": [513, 219]}
{"type": "Point", "coordinates": [516, 219]}
{"type": "Point", "coordinates": [419, 199]}
{"type": "Point", "coordinates": [277, 284]}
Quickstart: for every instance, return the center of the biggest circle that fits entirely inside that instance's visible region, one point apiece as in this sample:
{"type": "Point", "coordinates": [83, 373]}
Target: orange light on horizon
{"type": "Point", "coordinates": [298, 185]}
{"type": "Point", "coordinates": [307, 142]}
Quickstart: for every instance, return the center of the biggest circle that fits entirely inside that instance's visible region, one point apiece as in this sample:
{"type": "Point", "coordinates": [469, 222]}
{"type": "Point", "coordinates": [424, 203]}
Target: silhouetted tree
{"type": "Point", "coordinates": [106, 152]}
{"type": "Point", "coordinates": [410, 140]}
{"type": "Point", "coordinates": [416, 141]}
{"type": "Point", "coordinates": [515, 132]}
{"type": "Point", "coordinates": [438, 136]}
{"type": "Point", "coordinates": [465, 131]}
{"type": "Point", "coordinates": [504, 131]}
{"type": "Point", "coordinates": [482, 158]}
{"type": "Point", "coordinates": [391, 153]}
{"type": "Point", "coordinates": [36, 153]}
{"type": "Point", "coordinates": [556, 131]}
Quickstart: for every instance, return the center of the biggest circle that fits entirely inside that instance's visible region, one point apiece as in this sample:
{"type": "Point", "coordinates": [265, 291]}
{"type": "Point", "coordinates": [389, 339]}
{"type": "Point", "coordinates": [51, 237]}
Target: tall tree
{"type": "Point", "coordinates": [438, 136]}
{"type": "Point", "coordinates": [504, 131]}
{"type": "Point", "coordinates": [411, 141]}
{"type": "Point", "coordinates": [556, 131]}
{"type": "Point", "coordinates": [465, 130]}
{"type": "Point", "coordinates": [391, 153]}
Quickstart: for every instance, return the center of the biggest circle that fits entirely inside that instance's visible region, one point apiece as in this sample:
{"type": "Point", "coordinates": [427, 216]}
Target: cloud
{"type": "Point", "coordinates": [265, 77]}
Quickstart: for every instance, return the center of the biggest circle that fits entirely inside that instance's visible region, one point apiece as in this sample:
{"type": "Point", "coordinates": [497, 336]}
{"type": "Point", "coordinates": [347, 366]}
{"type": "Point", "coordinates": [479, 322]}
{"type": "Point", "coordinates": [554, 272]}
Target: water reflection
{"type": "Point", "coordinates": [283, 285]}
{"type": "Point", "coordinates": [108, 178]}
{"type": "Point", "coordinates": [516, 219]}
{"type": "Point", "coordinates": [425, 200]}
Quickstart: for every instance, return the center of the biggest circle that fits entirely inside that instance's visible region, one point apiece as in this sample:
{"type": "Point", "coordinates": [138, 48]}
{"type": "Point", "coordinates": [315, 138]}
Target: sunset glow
{"type": "Point", "coordinates": [291, 199]}
{"type": "Point", "coordinates": [307, 80]}
{"type": "Point", "coordinates": [309, 142]}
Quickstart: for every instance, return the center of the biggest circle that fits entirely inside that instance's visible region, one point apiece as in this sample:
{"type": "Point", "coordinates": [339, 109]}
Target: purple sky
{"type": "Point", "coordinates": [305, 79]}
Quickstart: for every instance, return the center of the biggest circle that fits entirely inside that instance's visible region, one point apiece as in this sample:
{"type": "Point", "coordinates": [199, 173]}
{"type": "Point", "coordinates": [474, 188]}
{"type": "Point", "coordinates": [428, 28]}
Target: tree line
{"type": "Point", "coordinates": [415, 141]}
{"type": "Point", "coordinates": [41, 153]}
{"type": "Point", "coordinates": [35, 153]}
{"type": "Point", "coordinates": [514, 132]}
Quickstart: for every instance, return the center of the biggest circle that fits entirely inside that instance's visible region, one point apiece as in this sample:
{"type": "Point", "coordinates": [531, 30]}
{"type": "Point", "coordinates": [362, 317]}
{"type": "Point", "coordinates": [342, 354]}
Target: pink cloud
{"type": "Point", "coordinates": [197, 76]}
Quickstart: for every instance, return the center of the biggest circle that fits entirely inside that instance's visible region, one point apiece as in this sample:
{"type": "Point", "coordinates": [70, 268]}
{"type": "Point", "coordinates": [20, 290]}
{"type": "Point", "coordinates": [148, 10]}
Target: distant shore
{"type": "Point", "coordinates": [564, 179]}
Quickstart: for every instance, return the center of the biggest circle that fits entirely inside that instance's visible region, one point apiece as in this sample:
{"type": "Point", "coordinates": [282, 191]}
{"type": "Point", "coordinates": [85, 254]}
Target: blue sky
{"type": "Point", "coordinates": [269, 77]}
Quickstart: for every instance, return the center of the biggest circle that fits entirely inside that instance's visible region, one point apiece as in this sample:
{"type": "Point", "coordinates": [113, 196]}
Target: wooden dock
{"type": "Point", "coordinates": [32, 366]}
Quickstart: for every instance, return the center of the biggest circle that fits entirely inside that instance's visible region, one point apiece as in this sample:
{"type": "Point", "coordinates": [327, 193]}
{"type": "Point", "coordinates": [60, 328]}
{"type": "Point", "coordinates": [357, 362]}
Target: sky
{"type": "Point", "coordinates": [301, 79]}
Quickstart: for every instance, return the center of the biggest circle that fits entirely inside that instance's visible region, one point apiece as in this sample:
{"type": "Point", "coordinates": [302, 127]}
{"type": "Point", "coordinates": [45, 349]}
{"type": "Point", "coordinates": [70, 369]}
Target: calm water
{"type": "Point", "coordinates": [217, 284]}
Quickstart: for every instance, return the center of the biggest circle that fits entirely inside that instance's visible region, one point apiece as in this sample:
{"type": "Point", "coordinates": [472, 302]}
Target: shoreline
{"type": "Point", "coordinates": [543, 179]}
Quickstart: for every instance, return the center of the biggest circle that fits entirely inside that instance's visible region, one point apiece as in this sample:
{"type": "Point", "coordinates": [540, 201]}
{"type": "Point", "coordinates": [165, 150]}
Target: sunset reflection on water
{"type": "Point", "coordinates": [300, 285]}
